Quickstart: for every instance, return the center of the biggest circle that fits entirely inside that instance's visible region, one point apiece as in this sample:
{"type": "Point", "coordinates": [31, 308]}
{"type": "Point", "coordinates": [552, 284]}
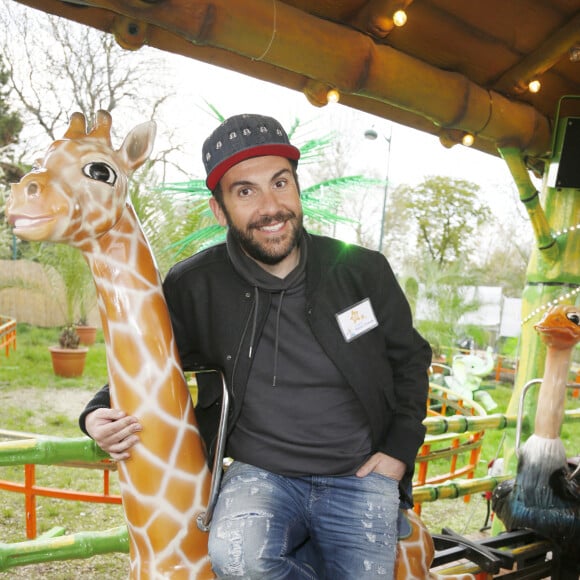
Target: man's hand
{"type": "Point", "coordinates": [384, 465]}
{"type": "Point", "coordinates": [113, 431]}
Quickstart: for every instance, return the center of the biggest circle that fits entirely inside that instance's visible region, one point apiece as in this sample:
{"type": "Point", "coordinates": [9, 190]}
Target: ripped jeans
{"type": "Point", "coordinates": [272, 527]}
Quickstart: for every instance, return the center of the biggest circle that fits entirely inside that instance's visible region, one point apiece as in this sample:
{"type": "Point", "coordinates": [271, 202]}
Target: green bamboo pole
{"type": "Point", "coordinates": [54, 546]}
{"type": "Point", "coordinates": [50, 450]}
{"type": "Point", "coordinates": [53, 450]}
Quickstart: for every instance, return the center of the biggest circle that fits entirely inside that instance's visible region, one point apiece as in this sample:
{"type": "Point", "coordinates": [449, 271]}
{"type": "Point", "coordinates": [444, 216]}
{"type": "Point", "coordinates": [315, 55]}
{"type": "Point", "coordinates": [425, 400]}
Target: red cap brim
{"type": "Point", "coordinates": [278, 149]}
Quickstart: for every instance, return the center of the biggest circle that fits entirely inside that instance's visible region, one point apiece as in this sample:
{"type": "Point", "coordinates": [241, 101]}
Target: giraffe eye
{"type": "Point", "coordinates": [573, 317]}
{"type": "Point", "coordinates": [100, 172]}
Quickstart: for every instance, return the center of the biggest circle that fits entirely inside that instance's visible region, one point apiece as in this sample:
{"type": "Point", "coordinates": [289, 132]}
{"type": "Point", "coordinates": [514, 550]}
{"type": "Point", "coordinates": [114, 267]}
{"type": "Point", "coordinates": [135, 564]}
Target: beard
{"type": "Point", "coordinates": [279, 247]}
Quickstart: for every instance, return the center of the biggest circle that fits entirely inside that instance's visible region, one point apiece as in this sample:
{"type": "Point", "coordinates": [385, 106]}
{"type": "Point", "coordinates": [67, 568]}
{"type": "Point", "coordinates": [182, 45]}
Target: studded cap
{"type": "Point", "coordinates": [241, 137]}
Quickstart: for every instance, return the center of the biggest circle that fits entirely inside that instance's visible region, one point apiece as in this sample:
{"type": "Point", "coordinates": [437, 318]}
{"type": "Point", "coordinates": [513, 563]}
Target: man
{"type": "Point", "coordinates": [327, 377]}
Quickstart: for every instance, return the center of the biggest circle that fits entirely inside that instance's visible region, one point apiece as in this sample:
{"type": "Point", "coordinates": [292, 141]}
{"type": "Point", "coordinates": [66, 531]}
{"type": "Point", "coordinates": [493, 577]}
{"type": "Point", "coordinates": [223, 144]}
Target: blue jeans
{"type": "Point", "coordinates": [271, 527]}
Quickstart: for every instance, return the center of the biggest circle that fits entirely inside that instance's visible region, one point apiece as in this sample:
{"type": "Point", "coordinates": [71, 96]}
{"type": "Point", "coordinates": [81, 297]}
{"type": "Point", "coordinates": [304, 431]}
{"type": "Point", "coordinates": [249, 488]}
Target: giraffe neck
{"type": "Point", "coordinates": [165, 483]}
{"type": "Point", "coordinates": [136, 324]}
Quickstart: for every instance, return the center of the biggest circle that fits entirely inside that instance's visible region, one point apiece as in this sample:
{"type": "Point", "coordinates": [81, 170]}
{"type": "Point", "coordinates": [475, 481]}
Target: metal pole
{"type": "Point", "coordinates": [372, 135]}
{"type": "Point", "coordinates": [388, 140]}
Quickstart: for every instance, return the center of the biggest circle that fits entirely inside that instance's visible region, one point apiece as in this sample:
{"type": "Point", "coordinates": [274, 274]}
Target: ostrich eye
{"type": "Point", "coordinates": [100, 172]}
{"type": "Point", "coordinates": [573, 317]}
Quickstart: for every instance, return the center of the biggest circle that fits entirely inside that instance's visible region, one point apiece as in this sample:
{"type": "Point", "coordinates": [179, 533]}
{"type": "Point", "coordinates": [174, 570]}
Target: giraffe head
{"type": "Point", "coordinates": [79, 189]}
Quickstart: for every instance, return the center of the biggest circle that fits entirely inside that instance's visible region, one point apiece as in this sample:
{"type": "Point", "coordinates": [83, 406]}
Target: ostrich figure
{"type": "Point", "coordinates": [544, 494]}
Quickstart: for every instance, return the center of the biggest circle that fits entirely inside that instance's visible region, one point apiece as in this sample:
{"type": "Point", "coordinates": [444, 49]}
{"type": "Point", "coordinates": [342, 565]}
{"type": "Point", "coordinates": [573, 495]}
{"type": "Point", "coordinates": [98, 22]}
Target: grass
{"type": "Point", "coordinates": [33, 399]}
{"type": "Point", "coordinates": [30, 364]}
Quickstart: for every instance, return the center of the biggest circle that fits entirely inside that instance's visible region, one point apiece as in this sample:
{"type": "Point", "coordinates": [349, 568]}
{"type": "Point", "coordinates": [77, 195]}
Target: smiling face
{"type": "Point", "coordinates": [69, 196]}
{"type": "Point", "coordinates": [78, 191]}
{"type": "Point", "coordinates": [261, 206]}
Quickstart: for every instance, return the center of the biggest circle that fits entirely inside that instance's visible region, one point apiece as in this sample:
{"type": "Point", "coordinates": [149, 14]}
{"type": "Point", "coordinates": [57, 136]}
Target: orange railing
{"type": "Point", "coordinates": [501, 371]}
{"type": "Point", "coordinates": [457, 453]}
{"type": "Point", "coordinates": [7, 334]}
{"type": "Point", "coordinates": [31, 491]}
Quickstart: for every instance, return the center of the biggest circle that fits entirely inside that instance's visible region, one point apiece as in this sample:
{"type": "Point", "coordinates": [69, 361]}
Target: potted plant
{"type": "Point", "coordinates": [87, 332]}
{"type": "Point", "coordinates": [70, 278]}
{"type": "Point", "coordinates": [73, 286]}
{"type": "Point", "coordinates": [68, 358]}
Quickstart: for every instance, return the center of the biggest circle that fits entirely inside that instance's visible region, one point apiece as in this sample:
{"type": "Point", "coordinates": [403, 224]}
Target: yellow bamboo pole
{"type": "Point", "coordinates": [463, 423]}
{"type": "Point", "coordinates": [455, 489]}
{"type": "Point", "coordinates": [530, 197]}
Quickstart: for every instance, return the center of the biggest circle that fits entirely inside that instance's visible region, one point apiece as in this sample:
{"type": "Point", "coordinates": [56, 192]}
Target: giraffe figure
{"type": "Point", "coordinates": [415, 552]}
{"type": "Point", "coordinates": [77, 194]}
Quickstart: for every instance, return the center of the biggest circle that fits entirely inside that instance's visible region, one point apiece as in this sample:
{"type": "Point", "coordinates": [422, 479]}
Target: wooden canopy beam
{"type": "Point", "coordinates": [543, 58]}
{"type": "Point", "coordinates": [281, 44]}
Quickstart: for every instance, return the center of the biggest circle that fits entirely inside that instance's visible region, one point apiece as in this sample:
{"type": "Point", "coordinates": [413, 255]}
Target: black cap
{"type": "Point", "coordinates": [241, 137]}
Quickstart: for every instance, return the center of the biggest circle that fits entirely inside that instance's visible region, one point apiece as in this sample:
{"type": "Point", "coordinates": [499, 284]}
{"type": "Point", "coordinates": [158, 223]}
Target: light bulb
{"type": "Point", "coordinates": [534, 86]}
{"type": "Point", "coordinates": [333, 96]}
{"type": "Point", "coordinates": [468, 139]}
{"type": "Point", "coordinates": [399, 18]}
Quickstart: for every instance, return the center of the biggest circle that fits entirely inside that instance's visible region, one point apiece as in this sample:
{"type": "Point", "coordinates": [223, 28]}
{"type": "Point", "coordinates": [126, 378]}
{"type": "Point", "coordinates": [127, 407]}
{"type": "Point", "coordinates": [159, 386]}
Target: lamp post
{"type": "Point", "coordinates": [371, 134]}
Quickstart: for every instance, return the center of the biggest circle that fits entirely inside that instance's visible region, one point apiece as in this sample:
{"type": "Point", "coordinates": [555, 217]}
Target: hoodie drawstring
{"type": "Point", "coordinates": [276, 340]}
{"type": "Point", "coordinates": [277, 330]}
{"type": "Point", "coordinates": [254, 322]}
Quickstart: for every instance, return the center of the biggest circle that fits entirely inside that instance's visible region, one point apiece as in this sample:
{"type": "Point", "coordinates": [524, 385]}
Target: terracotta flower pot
{"type": "Point", "coordinates": [68, 362]}
{"type": "Point", "coordinates": [87, 334]}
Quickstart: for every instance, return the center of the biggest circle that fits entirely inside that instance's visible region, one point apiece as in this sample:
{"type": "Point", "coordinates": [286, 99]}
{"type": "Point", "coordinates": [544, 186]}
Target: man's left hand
{"type": "Point", "coordinates": [384, 465]}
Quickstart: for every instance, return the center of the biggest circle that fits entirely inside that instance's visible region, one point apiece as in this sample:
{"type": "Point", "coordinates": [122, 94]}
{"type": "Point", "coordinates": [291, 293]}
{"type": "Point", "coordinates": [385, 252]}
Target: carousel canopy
{"type": "Point", "coordinates": [453, 68]}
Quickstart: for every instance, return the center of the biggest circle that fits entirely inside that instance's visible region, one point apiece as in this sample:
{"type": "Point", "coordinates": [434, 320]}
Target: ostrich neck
{"type": "Point", "coordinates": [552, 396]}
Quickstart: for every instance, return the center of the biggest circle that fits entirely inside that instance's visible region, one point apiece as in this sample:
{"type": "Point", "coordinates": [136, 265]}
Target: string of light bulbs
{"type": "Point", "coordinates": [555, 301]}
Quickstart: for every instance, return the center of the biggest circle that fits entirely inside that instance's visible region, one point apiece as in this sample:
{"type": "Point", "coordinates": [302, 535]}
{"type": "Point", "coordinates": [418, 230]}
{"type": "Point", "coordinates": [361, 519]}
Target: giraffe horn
{"type": "Point", "coordinates": [102, 128]}
{"type": "Point", "coordinates": [77, 127]}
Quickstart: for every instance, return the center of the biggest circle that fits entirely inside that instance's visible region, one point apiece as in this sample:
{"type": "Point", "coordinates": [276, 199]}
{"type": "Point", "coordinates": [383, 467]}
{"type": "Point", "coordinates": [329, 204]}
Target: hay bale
{"type": "Point", "coordinates": [28, 295]}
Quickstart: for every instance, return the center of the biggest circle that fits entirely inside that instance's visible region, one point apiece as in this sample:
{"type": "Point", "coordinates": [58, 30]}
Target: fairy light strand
{"type": "Point", "coordinates": [554, 302]}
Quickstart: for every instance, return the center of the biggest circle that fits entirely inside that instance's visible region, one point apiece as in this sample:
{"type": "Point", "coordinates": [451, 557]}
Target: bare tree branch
{"type": "Point", "coordinates": [57, 67]}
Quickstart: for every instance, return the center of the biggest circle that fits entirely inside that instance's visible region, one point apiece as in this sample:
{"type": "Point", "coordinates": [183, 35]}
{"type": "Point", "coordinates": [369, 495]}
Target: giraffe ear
{"type": "Point", "coordinates": [138, 145]}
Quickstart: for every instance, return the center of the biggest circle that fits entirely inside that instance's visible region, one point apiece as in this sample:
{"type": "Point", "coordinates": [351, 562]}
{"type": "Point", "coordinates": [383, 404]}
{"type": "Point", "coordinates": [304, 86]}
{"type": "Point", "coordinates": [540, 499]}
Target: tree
{"type": "Point", "coordinates": [87, 71]}
{"type": "Point", "coordinates": [445, 214]}
{"type": "Point", "coordinates": [318, 205]}
{"type": "Point", "coordinates": [10, 121]}
{"type": "Point", "coordinates": [503, 261]}
{"type": "Point", "coordinates": [10, 127]}
{"type": "Point", "coordinates": [444, 295]}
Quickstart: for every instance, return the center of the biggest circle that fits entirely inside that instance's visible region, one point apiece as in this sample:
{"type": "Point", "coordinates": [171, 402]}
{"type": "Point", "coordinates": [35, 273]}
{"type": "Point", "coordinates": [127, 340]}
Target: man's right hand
{"type": "Point", "coordinates": [114, 431]}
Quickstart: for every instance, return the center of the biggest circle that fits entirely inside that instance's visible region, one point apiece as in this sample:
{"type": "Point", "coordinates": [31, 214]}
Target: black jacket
{"type": "Point", "coordinates": [211, 313]}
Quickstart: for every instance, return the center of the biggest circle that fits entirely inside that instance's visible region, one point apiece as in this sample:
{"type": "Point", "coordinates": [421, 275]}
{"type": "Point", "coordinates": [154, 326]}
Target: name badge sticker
{"type": "Point", "coordinates": [357, 320]}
